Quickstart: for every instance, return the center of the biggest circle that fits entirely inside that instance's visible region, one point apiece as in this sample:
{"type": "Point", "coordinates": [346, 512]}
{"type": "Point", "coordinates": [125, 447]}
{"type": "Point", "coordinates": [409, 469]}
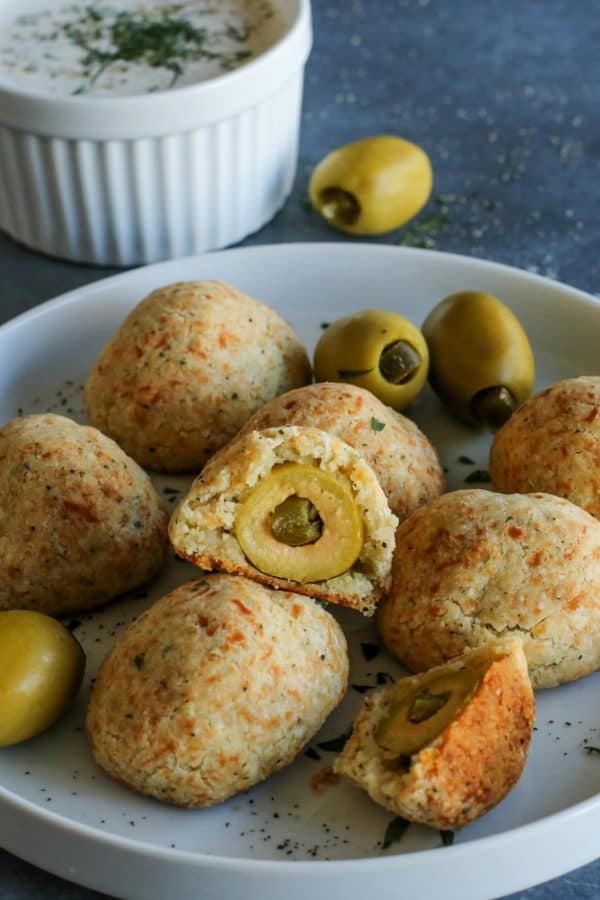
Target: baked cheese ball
{"type": "Point", "coordinates": [401, 456]}
{"type": "Point", "coordinates": [80, 522]}
{"type": "Point", "coordinates": [217, 686]}
{"type": "Point", "coordinates": [294, 508]}
{"type": "Point", "coordinates": [552, 444]}
{"type": "Point", "coordinates": [444, 747]}
{"type": "Point", "coordinates": [186, 369]}
{"type": "Point", "coordinates": [474, 565]}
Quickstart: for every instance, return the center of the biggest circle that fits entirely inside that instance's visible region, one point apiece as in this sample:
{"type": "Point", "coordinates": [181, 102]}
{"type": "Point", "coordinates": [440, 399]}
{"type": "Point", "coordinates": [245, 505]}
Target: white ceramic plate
{"type": "Point", "coordinates": [284, 838]}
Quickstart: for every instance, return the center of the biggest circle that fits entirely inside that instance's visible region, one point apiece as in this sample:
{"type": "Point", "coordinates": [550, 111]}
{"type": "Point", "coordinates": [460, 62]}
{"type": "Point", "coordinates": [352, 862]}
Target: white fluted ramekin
{"type": "Point", "coordinates": [132, 180]}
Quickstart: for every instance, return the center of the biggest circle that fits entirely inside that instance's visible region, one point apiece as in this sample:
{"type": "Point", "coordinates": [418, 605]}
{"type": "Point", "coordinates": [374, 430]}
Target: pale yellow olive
{"type": "Point", "coordinates": [481, 362]}
{"type": "Point", "coordinates": [372, 185]}
{"type": "Point", "coordinates": [422, 711]}
{"type": "Point", "coordinates": [377, 350]}
{"type": "Point", "coordinates": [41, 667]}
{"type": "Point", "coordinates": [300, 523]}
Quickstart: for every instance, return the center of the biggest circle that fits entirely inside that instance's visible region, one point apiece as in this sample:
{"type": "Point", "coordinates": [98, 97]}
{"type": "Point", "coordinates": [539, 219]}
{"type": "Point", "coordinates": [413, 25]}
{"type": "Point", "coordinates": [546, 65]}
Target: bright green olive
{"type": "Point", "coordinates": [481, 362]}
{"type": "Point", "coordinates": [371, 186]}
{"type": "Point", "coordinates": [41, 667]}
{"type": "Point", "coordinates": [380, 351]}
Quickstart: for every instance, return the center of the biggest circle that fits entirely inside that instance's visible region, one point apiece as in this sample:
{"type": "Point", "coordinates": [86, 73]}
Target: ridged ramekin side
{"type": "Point", "coordinates": [131, 202]}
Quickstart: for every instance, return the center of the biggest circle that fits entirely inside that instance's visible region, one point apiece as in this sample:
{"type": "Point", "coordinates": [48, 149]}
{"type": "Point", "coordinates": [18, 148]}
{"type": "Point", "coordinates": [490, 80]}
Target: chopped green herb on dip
{"type": "Point", "coordinates": [126, 47]}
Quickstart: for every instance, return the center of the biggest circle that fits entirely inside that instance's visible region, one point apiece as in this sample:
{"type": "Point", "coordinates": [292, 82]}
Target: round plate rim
{"type": "Point", "coordinates": [584, 812]}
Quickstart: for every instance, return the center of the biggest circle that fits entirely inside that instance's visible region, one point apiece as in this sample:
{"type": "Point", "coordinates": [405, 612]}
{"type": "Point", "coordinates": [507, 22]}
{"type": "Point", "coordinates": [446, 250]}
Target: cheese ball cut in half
{"type": "Point", "coordinates": [217, 686]}
{"type": "Point", "coordinates": [185, 370]}
{"type": "Point", "coordinates": [473, 566]}
{"type": "Point", "coordinates": [552, 444]}
{"type": "Point", "coordinates": [444, 747]}
{"type": "Point", "coordinates": [80, 522]}
{"type": "Point", "coordinates": [403, 459]}
{"type": "Point", "coordinates": [294, 508]}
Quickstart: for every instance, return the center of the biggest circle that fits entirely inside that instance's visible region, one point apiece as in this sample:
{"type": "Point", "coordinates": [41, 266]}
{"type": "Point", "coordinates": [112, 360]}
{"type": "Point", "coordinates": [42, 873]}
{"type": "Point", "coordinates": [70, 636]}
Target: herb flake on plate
{"type": "Point", "coordinates": [394, 832]}
{"type": "Point", "coordinates": [336, 744]}
{"type": "Point", "coordinates": [369, 651]}
{"type": "Point", "coordinates": [479, 476]}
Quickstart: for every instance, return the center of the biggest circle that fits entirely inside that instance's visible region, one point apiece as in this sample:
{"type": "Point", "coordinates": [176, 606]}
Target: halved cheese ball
{"type": "Point", "coordinates": [218, 685]}
{"type": "Point", "coordinates": [404, 460]}
{"type": "Point", "coordinates": [185, 370]}
{"type": "Point", "coordinates": [474, 565]}
{"type": "Point", "coordinates": [80, 522]}
{"type": "Point", "coordinates": [552, 444]}
{"type": "Point", "coordinates": [444, 747]}
{"type": "Point", "coordinates": [294, 508]}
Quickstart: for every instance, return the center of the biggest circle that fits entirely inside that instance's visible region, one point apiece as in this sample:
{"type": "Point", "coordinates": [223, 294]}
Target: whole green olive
{"type": "Point", "coordinates": [377, 350]}
{"type": "Point", "coordinates": [40, 673]}
{"type": "Point", "coordinates": [371, 186]}
{"type": "Point", "coordinates": [481, 361]}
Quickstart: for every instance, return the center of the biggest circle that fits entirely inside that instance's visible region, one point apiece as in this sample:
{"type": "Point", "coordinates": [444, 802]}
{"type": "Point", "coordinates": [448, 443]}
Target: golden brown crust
{"type": "Point", "coordinates": [471, 765]}
{"type": "Point", "coordinates": [185, 370]}
{"type": "Point", "coordinates": [214, 688]}
{"type": "Point", "coordinates": [80, 522]}
{"type": "Point", "coordinates": [202, 528]}
{"type": "Point", "coordinates": [403, 459]}
{"type": "Point", "coordinates": [473, 566]}
{"type": "Point", "coordinates": [552, 444]}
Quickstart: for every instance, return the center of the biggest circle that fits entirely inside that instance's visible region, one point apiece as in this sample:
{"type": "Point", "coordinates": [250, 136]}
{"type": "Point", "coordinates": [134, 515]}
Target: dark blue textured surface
{"type": "Point", "coordinates": [504, 97]}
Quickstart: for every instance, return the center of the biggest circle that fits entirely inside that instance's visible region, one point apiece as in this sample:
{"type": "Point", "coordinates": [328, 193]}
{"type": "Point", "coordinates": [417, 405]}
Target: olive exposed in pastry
{"type": "Point", "coordinates": [444, 747]}
{"type": "Point", "coordinates": [293, 507]}
{"type": "Point", "coordinates": [377, 350]}
{"type": "Point", "coordinates": [300, 523]}
{"type": "Point", "coordinates": [481, 361]}
{"type": "Point", "coordinates": [421, 711]}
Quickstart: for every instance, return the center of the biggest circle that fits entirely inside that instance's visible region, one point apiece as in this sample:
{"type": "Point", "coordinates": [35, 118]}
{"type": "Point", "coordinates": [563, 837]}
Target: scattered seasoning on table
{"type": "Point", "coordinates": [447, 838]}
{"type": "Point", "coordinates": [466, 460]}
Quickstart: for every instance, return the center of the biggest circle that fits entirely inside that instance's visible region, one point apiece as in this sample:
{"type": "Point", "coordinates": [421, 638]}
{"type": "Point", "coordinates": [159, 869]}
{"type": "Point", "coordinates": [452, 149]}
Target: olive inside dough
{"type": "Point", "coordinates": [421, 711]}
{"type": "Point", "coordinates": [293, 507]}
{"type": "Point", "coordinates": [444, 747]}
{"type": "Point", "coordinates": [271, 536]}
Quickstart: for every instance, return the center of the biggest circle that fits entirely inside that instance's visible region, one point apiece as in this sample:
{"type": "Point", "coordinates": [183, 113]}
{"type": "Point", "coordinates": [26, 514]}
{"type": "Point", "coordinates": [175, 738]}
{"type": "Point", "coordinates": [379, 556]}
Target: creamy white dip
{"type": "Point", "coordinates": [127, 47]}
